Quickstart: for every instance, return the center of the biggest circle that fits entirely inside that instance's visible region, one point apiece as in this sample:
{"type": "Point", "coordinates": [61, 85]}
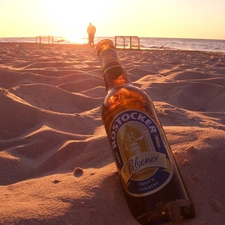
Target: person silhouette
{"type": "Point", "coordinates": [91, 34]}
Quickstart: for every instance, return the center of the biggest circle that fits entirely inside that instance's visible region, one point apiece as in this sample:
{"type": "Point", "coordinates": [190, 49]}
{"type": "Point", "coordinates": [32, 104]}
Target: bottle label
{"type": "Point", "coordinates": [140, 153]}
{"type": "Point", "coordinates": [109, 59]}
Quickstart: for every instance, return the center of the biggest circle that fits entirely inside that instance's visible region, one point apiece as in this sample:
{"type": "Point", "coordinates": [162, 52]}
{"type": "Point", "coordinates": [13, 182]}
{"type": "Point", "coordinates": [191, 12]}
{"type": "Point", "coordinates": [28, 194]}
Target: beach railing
{"type": "Point", "coordinates": [45, 39]}
{"type": "Point", "coordinates": [48, 40]}
{"type": "Point", "coordinates": [132, 42]}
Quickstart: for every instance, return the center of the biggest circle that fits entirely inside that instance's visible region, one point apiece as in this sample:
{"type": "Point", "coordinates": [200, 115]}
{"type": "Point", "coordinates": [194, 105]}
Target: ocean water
{"type": "Point", "coordinates": [144, 43]}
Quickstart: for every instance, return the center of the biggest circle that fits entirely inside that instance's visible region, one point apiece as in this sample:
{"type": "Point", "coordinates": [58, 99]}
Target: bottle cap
{"type": "Point", "coordinates": [103, 43]}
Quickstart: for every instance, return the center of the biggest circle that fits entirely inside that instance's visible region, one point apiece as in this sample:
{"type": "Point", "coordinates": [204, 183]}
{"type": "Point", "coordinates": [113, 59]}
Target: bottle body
{"type": "Point", "coordinates": [152, 184]}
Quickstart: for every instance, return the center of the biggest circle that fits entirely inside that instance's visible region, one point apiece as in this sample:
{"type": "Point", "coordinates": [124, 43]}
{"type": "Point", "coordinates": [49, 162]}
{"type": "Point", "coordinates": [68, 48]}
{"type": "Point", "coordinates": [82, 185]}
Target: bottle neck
{"type": "Point", "coordinates": [115, 75]}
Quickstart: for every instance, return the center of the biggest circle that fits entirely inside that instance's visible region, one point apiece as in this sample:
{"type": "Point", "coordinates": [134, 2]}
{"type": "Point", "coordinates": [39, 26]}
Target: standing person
{"type": "Point", "coordinates": [91, 34]}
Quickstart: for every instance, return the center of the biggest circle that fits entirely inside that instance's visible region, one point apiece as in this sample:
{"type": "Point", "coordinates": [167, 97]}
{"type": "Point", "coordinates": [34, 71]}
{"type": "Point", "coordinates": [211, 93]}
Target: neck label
{"type": "Point", "coordinates": [109, 59]}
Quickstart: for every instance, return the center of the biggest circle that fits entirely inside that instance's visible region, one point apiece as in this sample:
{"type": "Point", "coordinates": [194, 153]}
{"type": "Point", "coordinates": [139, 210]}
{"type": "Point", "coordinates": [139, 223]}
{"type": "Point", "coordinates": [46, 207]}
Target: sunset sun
{"type": "Point", "coordinates": [70, 18]}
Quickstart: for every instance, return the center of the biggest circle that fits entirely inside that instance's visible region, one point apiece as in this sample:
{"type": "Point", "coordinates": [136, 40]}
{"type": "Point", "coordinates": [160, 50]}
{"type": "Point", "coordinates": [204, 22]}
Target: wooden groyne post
{"type": "Point", "coordinates": [133, 42]}
{"type": "Point", "coordinates": [42, 39]}
{"type": "Point", "coordinates": [49, 40]}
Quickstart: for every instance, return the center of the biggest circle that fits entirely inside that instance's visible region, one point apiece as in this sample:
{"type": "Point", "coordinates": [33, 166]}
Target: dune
{"type": "Point", "coordinates": [56, 165]}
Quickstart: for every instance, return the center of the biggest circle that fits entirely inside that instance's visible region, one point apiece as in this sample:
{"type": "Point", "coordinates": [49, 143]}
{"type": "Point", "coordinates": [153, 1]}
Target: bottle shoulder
{"type": "Point", "coordinates": [127, 92]}
{"type": "Point", "coordinates": [125, 98]}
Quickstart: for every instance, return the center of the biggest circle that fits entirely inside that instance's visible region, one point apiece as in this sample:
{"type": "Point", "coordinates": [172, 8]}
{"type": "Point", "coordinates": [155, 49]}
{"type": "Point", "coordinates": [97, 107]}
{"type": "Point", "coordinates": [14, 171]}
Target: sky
{"type": "Point", "coordinates": [144, 18]}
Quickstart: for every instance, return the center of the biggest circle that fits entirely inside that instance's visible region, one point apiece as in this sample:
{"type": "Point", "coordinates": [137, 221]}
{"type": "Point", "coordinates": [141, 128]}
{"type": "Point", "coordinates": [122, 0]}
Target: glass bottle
{"type": "Point", "coordinates": [152, 183]}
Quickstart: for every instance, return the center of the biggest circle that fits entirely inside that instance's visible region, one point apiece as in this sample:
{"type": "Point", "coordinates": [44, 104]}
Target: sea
{"type": "Point", "coordinates": [148, 43]}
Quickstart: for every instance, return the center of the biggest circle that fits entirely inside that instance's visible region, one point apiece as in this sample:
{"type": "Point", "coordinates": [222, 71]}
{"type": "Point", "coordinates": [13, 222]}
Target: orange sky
{"type": "Point", "coordinates": [144, 18]}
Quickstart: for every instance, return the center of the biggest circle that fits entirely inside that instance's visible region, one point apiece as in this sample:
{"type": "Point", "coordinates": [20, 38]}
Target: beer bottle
{"type": "Point", "coordinates": [151, 180]}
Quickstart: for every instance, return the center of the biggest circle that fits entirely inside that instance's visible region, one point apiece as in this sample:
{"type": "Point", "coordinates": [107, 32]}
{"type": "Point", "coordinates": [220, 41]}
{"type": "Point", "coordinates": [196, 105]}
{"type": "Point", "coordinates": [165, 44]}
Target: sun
{"type": "Point", "coordinates": [73, 38]}
{"type": "Point", "coordinates": [70, 18]}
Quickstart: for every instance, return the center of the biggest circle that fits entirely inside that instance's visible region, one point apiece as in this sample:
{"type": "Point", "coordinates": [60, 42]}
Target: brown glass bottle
{"type": "Point", "coordinates": [152, 184]}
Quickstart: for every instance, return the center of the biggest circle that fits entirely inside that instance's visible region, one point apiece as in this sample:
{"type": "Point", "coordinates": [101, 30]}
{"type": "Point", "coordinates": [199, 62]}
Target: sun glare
{"type": "Point", "coordinates": [72, 38]}
{"type": "Point", "coordinates": [70, 18]}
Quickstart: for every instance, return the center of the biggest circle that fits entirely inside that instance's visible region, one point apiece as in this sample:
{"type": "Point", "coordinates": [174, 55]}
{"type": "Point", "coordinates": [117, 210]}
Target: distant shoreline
{"type": "Point", "coordinates": [86, 46]}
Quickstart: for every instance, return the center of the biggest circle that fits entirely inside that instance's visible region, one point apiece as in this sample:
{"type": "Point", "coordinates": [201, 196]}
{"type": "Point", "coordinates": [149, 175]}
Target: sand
{"type": "Point", "coordinates": [56, 165]}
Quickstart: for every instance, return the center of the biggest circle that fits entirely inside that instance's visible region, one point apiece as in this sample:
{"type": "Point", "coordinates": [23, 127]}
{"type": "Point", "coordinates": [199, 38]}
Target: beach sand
{"type": "Point", "coordinates": [56, 165]}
